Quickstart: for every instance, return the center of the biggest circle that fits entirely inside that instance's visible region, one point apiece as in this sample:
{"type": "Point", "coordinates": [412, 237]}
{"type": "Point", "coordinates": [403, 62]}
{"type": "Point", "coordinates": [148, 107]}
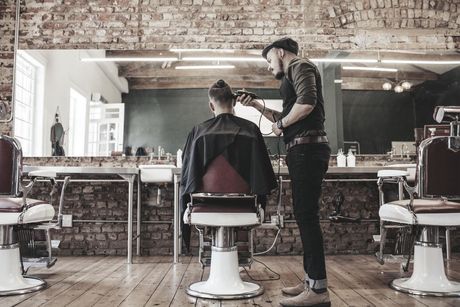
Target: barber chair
{"type": "Point", "coordinates": [432, 205]}
{"type": "Point", "coordinates": [224, 204]}
{"type": "Point", "coordinates": [17, 214]}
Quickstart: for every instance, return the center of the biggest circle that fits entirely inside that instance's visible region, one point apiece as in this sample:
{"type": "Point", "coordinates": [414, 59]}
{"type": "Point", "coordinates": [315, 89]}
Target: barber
{"type": "Point", "coordinates": [302, 124]}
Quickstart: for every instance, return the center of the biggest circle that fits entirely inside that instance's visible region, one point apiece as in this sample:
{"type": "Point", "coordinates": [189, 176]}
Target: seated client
{"type": "Point", "coordinates": [237, 140]}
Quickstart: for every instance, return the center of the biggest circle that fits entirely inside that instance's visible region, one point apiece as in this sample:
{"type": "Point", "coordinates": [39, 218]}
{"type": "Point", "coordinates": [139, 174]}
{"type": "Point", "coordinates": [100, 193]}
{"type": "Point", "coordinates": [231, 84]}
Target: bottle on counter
{"type": "Point", "coordinates": [341, 159]}
{"type": "Point", "coordinates": [179, 158]}
{"type": "Point", "coordinates": [351, 159]}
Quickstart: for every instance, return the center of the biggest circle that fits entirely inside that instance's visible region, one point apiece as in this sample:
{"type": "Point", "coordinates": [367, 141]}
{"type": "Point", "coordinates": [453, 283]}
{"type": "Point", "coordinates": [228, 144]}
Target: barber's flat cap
{"type": "Point", "coordinates": [285, 43]}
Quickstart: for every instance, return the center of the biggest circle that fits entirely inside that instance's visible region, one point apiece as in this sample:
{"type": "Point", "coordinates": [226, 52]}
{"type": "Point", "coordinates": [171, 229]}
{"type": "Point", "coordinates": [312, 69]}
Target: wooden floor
{"type": "Point", "coordinates": [354, 280]}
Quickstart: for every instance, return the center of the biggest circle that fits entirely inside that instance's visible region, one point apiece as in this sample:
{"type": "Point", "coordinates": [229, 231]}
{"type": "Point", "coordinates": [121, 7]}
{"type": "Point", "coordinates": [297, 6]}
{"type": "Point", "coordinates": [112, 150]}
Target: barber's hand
{"type": "Point", "coordinates": [246, 100]}
{"type": "Point", "coordinates": [275, 130]}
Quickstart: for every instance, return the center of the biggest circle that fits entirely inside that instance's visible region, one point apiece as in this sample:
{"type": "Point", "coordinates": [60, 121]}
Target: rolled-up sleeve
{"type": "Point", "coordinates": [303, 79]}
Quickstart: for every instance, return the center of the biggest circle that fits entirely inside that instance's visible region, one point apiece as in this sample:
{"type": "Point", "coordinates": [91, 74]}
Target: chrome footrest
{"type": "Point", "coordinates": [40, 262]}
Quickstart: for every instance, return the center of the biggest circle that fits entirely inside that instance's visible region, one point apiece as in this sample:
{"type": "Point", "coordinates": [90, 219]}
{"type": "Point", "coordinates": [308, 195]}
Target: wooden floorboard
{"type": "Point", "coordinates": [354, 280]}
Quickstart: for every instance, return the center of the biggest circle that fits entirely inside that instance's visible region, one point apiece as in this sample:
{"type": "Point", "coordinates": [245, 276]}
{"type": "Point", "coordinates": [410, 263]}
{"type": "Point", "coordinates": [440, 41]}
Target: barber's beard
{"type": "Point", "coordinates": [279, 75]}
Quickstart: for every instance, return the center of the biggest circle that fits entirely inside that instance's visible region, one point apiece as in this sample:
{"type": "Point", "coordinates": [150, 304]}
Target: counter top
{"type": "Point", "coordinates": [83, 170]}
{"type": "Point", "coordinates": [333, 170]}
{"type": "Point", "coordinates": [133, 170]}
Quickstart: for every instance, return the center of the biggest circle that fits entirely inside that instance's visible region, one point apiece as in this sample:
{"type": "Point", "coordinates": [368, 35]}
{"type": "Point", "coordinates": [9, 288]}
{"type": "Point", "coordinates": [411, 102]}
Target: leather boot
{"type": "Point", "coordinates": [308, 298]}
{"type": "Point", "coordinates": [295, 290]}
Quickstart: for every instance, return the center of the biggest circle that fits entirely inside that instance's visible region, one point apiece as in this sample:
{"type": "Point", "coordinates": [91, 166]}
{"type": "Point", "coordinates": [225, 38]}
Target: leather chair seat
{"type": "Point", "coordinates": [226, 219]}
{"type": "Point", "coordinates": [430, 205]}
{"type": "Point", "coordinates": [227, 210]}
{"type": "Point", "coordinates": [16, 204]}
{"type": "Point", "coordinates": [11, 211]}
{"type": "Point", "coordinates": [434, 212]}
{"type": "Point", "coordinates": [224, 206]}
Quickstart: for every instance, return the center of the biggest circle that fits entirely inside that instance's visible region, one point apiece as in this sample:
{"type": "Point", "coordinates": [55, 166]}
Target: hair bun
{"type": "Point", "coordinates": [221, 83]}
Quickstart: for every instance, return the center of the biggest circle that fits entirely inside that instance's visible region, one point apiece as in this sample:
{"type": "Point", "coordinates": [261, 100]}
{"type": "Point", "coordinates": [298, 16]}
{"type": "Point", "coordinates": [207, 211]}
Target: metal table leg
{"type": "Point", "coordinates": [130, 179]}
{"type": "Point", "coordinates": [448, 251]}
{"type": "Point", "coordinates": [176, 224]}
{"type": "Point", "coordinates": [138, 224]}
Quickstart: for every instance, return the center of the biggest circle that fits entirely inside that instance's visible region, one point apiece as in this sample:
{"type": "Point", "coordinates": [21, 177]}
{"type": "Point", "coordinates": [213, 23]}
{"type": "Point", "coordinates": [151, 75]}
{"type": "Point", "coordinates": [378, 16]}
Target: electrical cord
{"type": "Point", "coordinates": [267, 267]}
{"type": "Point", "coordinates": [260, 118]}
{"type": "Point", "coordinates": [273, 244]}
{"type": "Point", "coordinates": [279, 189]}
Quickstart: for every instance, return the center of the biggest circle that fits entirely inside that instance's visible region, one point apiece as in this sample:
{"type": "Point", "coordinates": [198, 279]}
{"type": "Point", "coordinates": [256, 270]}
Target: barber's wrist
{"type": "Point", "coordinates": [256, 104]}
{"type": "Point", "coordinates": [279, 124]}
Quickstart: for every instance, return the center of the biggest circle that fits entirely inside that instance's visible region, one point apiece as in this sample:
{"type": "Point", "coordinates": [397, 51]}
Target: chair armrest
{"type": "Point", "coordinates": [34, 175]}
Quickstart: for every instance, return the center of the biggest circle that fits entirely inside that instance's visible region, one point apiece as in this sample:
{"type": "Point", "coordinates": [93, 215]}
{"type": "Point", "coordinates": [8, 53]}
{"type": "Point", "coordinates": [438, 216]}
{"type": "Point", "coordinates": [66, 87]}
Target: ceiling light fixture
{"type": "Point", "coordinates": [201, 50]}
{"type": "Point", "coordinates": [387, 86]}
{"type": "Point", "coordinates": [369, 68]}
{"type": "Point", "coordinates": [325, 60]}
{"type": "Point", "coordinates": [228, 59]}
{"type": "Point", "coordinates": [421, 62]}
{"type": "Point", "coordinates": [406, 85]}
{"type": "Point", "coordinates": [399, 87]}
{"type": "Point", "coordinates": [206, 67]}
{"type": "Point", "coordinates": [130, 59]}
{"type": "Point", "coordinates": [338, 81]}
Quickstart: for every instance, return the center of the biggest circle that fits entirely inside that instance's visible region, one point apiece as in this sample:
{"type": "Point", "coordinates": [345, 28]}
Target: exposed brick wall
{"type": "Point", "coordinates": [108, 201]}
{"type": "Point", "coordinates": [7, 19]}
{"type": "Point", "coordinates": [162, 24]}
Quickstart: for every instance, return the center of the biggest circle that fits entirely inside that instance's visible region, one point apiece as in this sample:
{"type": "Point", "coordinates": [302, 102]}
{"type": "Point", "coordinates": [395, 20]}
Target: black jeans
{"type": "Point", "coordinates": [307, 165]}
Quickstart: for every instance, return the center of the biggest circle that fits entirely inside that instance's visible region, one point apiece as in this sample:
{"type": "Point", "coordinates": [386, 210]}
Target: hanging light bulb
{"type": "Point", "coordinates": [387, 86]}
{"type": "Point", "coordinates": [406, 85]}
{"type": "Point", "coordinates": [398, 89]}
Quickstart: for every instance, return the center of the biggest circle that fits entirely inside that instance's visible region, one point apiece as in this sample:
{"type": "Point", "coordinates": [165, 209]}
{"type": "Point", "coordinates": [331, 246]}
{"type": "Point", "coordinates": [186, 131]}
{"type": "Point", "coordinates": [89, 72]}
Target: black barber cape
{"type": "Point", "coordinates": [240, 142]}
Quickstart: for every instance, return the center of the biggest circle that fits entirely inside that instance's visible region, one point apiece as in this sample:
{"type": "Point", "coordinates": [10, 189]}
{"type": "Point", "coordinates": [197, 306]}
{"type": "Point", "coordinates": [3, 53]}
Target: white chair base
{"type": "Point", "coordinates": [11, 280]}
{"type": "Point", "coordinates": [428, 277]}
{"type": "Point", "coordinates": [224, 280]}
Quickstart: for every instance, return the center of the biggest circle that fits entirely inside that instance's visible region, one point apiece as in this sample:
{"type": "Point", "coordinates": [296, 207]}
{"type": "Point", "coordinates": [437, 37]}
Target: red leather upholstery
{"type": "Point", "coordinates": [222, 178]}
{"type": "Point", "coordinates": [6, 166]}
{"type": "Point", "coordinates": [442, 171]}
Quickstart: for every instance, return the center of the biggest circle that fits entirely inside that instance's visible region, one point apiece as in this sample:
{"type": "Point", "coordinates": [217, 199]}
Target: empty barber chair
{"type": "Point", "coordinates": [224, 204]}
{"type": "Point", "coordinates": [432, 205]}
{"type": "Point", "coordinates": [17, 212]}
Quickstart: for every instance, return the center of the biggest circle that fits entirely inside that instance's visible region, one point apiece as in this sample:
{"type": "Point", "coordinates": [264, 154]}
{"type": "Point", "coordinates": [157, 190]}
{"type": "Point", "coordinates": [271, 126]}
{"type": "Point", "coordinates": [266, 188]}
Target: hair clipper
{"type": "Point", "coordinates": [241, 92]}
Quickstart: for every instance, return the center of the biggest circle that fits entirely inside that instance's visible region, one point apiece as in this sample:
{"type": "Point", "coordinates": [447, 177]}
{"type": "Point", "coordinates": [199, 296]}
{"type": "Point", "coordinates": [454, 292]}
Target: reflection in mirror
{"type": "Point", "coordinates": [102, 103]}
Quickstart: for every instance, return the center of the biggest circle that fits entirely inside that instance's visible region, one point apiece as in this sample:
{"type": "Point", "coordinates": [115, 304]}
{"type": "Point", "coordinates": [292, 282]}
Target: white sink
{"type": "Point", "coordinates": [157, 173]}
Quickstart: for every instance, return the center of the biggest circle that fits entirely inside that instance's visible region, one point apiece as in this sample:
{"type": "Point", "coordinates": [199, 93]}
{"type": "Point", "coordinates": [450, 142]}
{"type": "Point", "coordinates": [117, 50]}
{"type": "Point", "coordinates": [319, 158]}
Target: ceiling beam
{"type": "Point", "coordinates": [147, 71]}
{"type": "Point", "coordinates": [137, 84]}
{"type": "Point", "coordinates": [203, 53]}
{"type": "Point", "coordinates": [366, 84]}
{"type": "Point", "coordinates": [410, 75]}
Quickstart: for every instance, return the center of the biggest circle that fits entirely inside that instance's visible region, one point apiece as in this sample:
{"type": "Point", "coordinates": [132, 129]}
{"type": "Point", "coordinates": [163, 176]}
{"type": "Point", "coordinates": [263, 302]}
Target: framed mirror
{"type": "Point", "coordinates": [102, 103]}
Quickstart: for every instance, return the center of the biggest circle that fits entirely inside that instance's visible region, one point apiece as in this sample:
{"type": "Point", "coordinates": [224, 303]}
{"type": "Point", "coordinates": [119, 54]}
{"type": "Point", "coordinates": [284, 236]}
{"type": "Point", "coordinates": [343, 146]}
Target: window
{"type": "Point", "coordinates": [77, 123]}
{"type": "Point", "coordinates": [25, 96]}
{"type": "Point", "coordinates": [28, 102]}
{"type": "Point", "coordinates": [106, 125]}
{"type": "Point", "coordinates": [253, 115]}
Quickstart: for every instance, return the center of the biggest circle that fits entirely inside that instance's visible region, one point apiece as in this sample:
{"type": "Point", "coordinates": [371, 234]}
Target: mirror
{"type": "Point", "coordinates": [101, 103]}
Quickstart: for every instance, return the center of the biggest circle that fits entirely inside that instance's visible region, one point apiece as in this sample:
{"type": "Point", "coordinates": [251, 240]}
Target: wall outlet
{"type": "Point", "coordinates": [67, 220]}
{"type": "Point", "coordinates": [277, 220]}
{"type": "Point", "coordinates": [274, 220]}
